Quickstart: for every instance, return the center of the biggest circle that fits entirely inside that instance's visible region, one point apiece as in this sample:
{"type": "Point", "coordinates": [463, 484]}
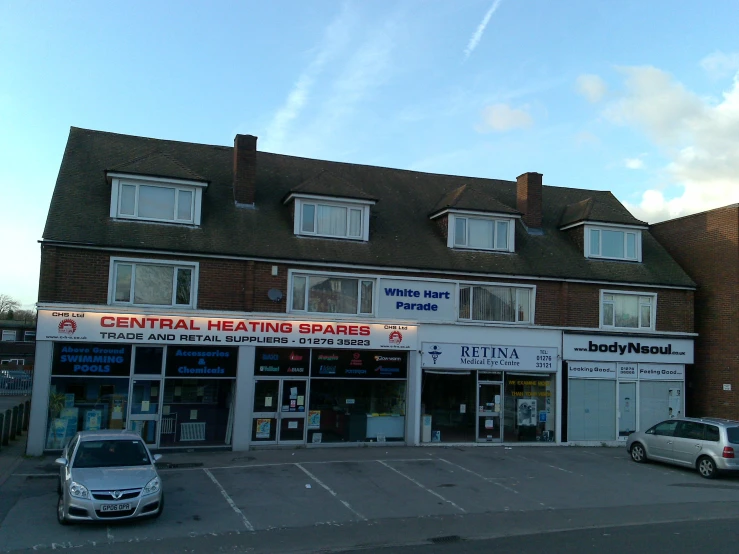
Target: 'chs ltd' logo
{"type": "Point", "coordinates": [67, 327]}
{"type": "Point", "coordinates": [395, 337]}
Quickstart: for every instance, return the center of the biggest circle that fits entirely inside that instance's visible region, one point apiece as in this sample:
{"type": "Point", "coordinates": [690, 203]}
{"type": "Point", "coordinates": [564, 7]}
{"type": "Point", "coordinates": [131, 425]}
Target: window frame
{"type": "Point", "coordinates": [481, 216]}
{"type": "Point", "coordinates": [8, 333]}
{"type": "Point", "coordinates": [640, 295]}
{"type": "Point", "coordinates": [362, 206]}
{"type": "Point", "coordinates": [176, 264]}
{"type": "Point", "coordinates": [178, 185]}
{"type": "Point", "coordinates": [360, 278]}
{"type": "Point", "coordinates": [532, 302]}
{"type": "Point", "coordinates": [587, 242]}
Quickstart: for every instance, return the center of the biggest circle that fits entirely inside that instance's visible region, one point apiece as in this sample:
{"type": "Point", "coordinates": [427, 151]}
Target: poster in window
{"type": "Point", "coordinates": [526, 412]}
{"type": "Point", "coordinates": [263, 428]}
{"type": "Point", "coordinates": [314, 419]}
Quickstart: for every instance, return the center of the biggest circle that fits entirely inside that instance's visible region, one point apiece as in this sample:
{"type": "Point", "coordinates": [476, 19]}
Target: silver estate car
{"type": "Point", "coordinates": [106, 475]}
{"type": "Point", "coordinates": [705, 444]}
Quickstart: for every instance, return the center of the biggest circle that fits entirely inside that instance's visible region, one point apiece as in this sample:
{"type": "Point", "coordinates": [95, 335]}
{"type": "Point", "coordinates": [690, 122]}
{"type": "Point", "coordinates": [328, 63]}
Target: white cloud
{"type": "Point", "coordinates": [336, 36]}
{"type": "Point", "coordinates": [501, 117]}
{"type": "Point", "coordinates": [720, 64]}
{"type": "Point", "coordinates": [592, 87]}
{"type": "Point", "coordinates": [477, 35]}
{"type": "Point", "coordinates": [634, 163]}
{"type": "Point", "coordinates": [699, 136]}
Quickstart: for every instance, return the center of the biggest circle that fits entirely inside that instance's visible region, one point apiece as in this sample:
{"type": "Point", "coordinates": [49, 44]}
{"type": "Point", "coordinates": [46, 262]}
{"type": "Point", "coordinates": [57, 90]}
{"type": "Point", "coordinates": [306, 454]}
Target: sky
{"type": "Point", "coordinates": [639, 98]}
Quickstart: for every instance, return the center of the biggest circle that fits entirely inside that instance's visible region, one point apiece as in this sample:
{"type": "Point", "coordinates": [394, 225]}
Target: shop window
{"type": "Point", "coordinates": [332, 294]}
{"type": "Point", "coordinates": [8, 336]}
{"type": "Point", "coordinates": [85, 404]}
{"type": "Point", "coordinates": [146, 283]}
{"type": "Point", "coordinates": [148, 360]}
{"type": "Point", "coordinates": [332, 219]}
{"type": "Point", "coordinates": [483, 233]}
{"type": "Point", "coordinates": [628, 311]}
{"type": "Point", "coordinates": [353, 410]}
{"type": "Point", "coordinates": [197, 412]}
{"type": "Point", "coordinates": [528, 408]}
{"type": "Point", "coordinates": [29, 336]}
{"type": "Point", "coordinates": [495, 303]}
{"type": "Point", "coordinates": [612, 244]}
{"type": "Point", "coordinates": [159, 200]}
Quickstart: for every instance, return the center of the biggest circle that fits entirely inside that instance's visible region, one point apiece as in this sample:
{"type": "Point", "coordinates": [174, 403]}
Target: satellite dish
{"type": "Point", "coordinates": [274, 295]}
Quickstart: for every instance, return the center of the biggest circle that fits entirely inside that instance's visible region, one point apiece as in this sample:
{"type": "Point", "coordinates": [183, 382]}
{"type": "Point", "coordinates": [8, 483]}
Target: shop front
{"type": "Point", "coordinates": [488, 392]}
{"type": "Point", "coordinates": [184, 381]}
{"type": "Point", "coordinates": [620, 384]}
{"type": "Point", "coordinates": [325, 396]}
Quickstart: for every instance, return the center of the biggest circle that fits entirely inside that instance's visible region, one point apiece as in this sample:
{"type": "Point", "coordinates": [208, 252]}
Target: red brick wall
{"type": "Point", "coordinates": [81, 276]}
{"type": "Point", "coordinates": [706, 245]}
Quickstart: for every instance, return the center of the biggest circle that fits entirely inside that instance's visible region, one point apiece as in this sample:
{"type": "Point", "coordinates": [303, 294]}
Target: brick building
{"type": "Point", "coordinates": [216, 296]}
{"type": "Point", "coordinates": [707, 246]}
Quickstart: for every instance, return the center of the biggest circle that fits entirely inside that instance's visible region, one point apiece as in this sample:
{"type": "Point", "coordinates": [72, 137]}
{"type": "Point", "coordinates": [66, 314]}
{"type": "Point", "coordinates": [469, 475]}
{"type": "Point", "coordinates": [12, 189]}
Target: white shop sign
{"type": "Point", "coordinates": [417, 300]}
{"type": "Point", "coordinates": [443, 355]}
{"type": "Point", "coordinates": [661, 372]}
{"type": "Point", "coordinates": [591, 370]}
{"type": "Point", "coordinates": [612, 348]}
{"type": "Point", "coordinates": [164, 329]}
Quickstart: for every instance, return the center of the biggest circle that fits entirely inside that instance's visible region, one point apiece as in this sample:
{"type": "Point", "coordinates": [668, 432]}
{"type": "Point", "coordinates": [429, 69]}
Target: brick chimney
{"type": "Point", "coordinates": [528, 198]}
{"type": "Point", "coordinates": [245, 169]}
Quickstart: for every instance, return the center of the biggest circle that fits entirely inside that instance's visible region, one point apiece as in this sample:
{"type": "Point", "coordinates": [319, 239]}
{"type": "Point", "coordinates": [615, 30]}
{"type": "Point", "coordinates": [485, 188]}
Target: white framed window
{"type": "Point", "coordinates": [8, 336]}
{"type": "Point", "coordinates": [627, 311]}
{"type": "Point", "coordinates": [481, 233]}
{"type": "Point", "coordinates": [343, 220]}
{"type": "Point", "coordinates": [332, 294]}
{"type": "Point", "coordinates": [153, 283]}
{"type": "Point", "coordinates": [29, 336]}
{"type": "Point", "coordinates": [613, 243]}
{"type": "Point", "coordinates": [496, 303]}
{"type": "Point", "coordinates": [154, 199]}
{"type": "Point", "coordinates": [17, 361]}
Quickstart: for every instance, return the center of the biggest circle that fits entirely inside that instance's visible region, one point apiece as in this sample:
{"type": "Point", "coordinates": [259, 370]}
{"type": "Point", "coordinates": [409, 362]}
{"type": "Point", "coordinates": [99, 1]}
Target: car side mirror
{"type": "Point", "coordinates": [157, 457]}
{"type": "Point", "coordinates": [61, 461]}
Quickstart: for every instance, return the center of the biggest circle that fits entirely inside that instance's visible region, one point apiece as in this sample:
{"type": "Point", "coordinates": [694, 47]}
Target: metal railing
{"type": "Point", "coordinates": [15, 381]}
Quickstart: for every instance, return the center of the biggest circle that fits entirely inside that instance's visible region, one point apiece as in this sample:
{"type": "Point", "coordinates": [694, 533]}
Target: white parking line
{"type": "Point", "coordinates": [325, 486]}
{"type": "Point", "coordinates": [559, 468]}
{"type": "Point", "coordinates": [108, 533]}
{"type": "Point", "coordinates": [492, 480]}
{"type": "Point", "coordinates": [231, 503]}
{"type": "Point", "coordinates": [412, 480]}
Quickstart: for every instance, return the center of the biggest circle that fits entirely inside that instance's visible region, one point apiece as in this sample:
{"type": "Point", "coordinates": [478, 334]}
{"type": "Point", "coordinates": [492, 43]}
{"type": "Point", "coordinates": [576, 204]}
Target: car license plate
{"type": "Point", "coordinates": [115, 507]}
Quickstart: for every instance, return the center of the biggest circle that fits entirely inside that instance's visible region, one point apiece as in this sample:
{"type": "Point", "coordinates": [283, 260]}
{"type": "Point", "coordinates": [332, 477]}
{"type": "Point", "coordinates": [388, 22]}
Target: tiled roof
{"type": "Point", "coordinates": [467, 198]}
{"type": "Point", "coordinates": [157, 164]}
{"type": "Point", "coordinates": [401, 233]}
{"type": "Point", "coordinates": [597, 209]}
{"type": "Point", "coordinates": [327, 184]}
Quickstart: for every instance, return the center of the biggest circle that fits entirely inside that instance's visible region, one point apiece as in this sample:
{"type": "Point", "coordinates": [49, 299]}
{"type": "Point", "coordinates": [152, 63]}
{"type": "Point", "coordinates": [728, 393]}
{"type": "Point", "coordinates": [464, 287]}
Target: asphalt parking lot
{"type": "Point", "coordinates": [229, 493]}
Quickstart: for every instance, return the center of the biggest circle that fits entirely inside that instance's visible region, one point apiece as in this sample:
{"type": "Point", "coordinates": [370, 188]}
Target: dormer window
{"type": "Point", "coordinates": [156, 199]}
{"type": "Point", "coordinates": [334, 219]}
{"type": "Point", "coordinates": [613, 243]}
{"type": "Point", "coordinates": [481, 233]}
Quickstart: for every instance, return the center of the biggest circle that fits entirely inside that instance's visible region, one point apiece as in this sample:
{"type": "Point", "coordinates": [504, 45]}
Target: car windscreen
{"type": "Point", "coordinates": [733, 434]}
{"type": "Point", "coordinates": [111, 453]}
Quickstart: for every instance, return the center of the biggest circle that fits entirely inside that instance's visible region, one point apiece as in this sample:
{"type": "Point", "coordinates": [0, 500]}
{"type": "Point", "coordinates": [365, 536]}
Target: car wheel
{"type": "Point", "coordinates": [60, 516]}
{"type": "Point", "coordinates": [707, 467]}
{"type": "Point", "coordinates": [637, 453]}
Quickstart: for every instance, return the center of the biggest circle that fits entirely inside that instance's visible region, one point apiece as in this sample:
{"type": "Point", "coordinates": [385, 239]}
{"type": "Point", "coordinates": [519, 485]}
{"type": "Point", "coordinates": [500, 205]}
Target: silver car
{"type": "Point", "coordinates": [705, 444]}
{"type": "Point", "coordinates": [106, 475]}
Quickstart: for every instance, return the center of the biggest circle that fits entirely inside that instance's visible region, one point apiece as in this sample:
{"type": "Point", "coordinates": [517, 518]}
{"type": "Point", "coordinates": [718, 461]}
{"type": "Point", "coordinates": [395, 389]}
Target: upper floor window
{"type": "Point", "coordinates": [614, 244]}
{"type": "Point", "coordinates": [152, 283]}
{"type": "Point", "coordinates": [495, 303]}
{"type": "Point", "coordinates": [332, 294]}
{"type": "Point", "coordinates": [8, 336]}
{"type": "Point", "coordinates": [151, 199]}
{"type": "Point", "coordinates": [629, 311]}
{"type": "Point", "coordinates": [482, 233]}
{"type": "Point", "coordinates": [332, 219]}
{"type": "Point", "coordinates": [29, 336]}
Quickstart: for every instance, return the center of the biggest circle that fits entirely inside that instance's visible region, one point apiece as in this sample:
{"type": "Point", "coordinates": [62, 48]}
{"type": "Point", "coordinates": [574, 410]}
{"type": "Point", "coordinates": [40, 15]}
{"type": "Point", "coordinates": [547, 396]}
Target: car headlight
{"type": "Point", "coordinates": [152, 486]}
{"type": "Point", "coordinates": [78, 491]}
